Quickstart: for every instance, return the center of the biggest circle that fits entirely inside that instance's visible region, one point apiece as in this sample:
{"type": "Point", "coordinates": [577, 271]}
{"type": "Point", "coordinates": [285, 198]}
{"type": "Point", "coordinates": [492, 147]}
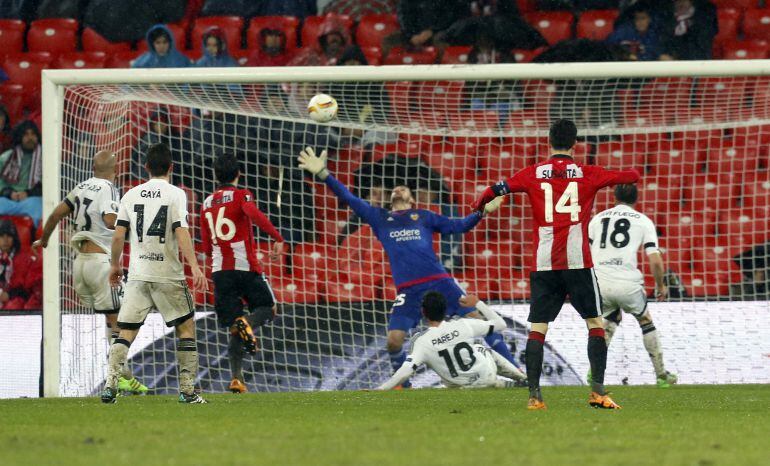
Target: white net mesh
{"type": "Point", "coordinates": [702, 144]}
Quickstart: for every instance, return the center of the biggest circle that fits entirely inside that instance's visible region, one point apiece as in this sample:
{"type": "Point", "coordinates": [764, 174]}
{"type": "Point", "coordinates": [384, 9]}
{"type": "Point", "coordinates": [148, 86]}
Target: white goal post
{"type": "Point", "coordinates": [521, 125]}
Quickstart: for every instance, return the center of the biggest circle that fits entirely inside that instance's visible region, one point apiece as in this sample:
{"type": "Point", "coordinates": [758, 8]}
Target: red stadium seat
{"type": "Point", "coordinates": [295, 290]}
{"type": "Point", "coordinates": [55, 35]}
{"type": "Point", "coordinates": [373, 28]}
{"type": "Point", "coordinates": [180, 39]}
{"type": "Point", "coordinates": [401, 56]}
{"type": "Point", "coordinates": [12, 35]}
{"type": "Point", "coordinates": [526, 56]}
{"type": "Point", "coordinates": [618, 155]}
{"type": "Point", "coordinates": [596, 24]}
{"type": "Point", "coordinates": [25, 68]}
{"type": "Point", "coordinates": [744, 49]}
{"type": "Point", "coordinates": [77, 60]}
{"type": "Point", "coordinates": [286, 24]}
{"type": "Point", "coordinates": [313, 25]}
{"type": "Point", "coordinates": [342, 290]}
{"type": "Point", "coordinates": [729, 20]}
{"type": "Point", "coordinates": [315, 262]}
{"type": "Point", "coordinates": [231, 27]}
{"type": "Point", "coordinates": [12, 97]}
{"type": "Point", "coordinates": [555, 26]}
{"type": "Point", "coordinates": [122, 59]}
{"type": "Point", "coordinates": [94, 42]}
{"type": "Point", "coordinates": [756, 24]}
{"type": "Point", "coordinates": [457, 55]}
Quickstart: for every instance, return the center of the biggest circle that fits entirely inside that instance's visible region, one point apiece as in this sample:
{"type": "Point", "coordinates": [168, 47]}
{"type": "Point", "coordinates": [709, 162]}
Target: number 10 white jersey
{"type": "Point", "coordinates": [152, 212]}
{"type": "Point", "coordinates": [616, 235]}
{"type": "Point", "coordinates": [450, 351]}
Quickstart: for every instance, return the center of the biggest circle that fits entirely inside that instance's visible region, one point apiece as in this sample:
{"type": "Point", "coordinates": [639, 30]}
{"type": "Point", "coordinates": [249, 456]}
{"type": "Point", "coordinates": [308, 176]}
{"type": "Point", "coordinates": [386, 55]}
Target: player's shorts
{"type": "Point", "coordinates": [91, 276]}
{"type": "Point", "coordinates": [550, 289]}
{"type": "Point", "coordinates": [232, 287]}
{"type": "Point", "coordinates": [172, 300]}
{"type": "Point", "coordinates": [625, 296]}
{"type": "Point", "coordinates": [406, 311]}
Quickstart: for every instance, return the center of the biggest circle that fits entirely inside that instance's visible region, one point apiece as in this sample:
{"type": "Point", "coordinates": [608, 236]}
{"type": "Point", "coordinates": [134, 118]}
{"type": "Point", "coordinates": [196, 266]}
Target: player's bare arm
{"type": "Point", "coordinates": [186, 248]}
{"type": "Point", "coordinates": [116, 252]}
{"type": "Point", "coordinates": [657, 269]}
{"type": "Point", "coordinates": [59, 213]}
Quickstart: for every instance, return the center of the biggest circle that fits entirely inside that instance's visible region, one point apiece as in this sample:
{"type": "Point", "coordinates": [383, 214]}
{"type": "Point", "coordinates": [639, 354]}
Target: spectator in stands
{"type": "Point", "coordinates": [215, 52]}
{"type": "Point", "coordinates": [332, 41]}
{"type": "Point", "coordinates": [21, 173]}
{"type": "Point", "coordinates": [5, 129]}
{"type": "Point", "coordinates": [21, 273]}
{"type": "Point", "coordinates": [357, 9]}
{"type": "Point", "coordinates": [162, 52]}
{"type": "Point", "coordinates": [272, 49]}
{"type": "Point", "coordinates": [499, 21]}
{"type": "Point", "coordinates": [689, 27]}
{"type": "Point", "coordinates": [421, 21]}
{"type": "Point", "coordinates": [640, 36]}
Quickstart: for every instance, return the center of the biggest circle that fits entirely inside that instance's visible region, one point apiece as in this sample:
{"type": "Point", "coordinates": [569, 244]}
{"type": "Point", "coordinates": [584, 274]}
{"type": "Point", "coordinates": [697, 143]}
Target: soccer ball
{"type": "Point", "coordinates": [322, 108]}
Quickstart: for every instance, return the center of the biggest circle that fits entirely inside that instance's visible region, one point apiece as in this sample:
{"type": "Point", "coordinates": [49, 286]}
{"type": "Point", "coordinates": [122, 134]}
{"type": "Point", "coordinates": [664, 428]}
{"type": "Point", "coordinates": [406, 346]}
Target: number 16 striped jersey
{"type": "Point", "coordinates": [227, 217]}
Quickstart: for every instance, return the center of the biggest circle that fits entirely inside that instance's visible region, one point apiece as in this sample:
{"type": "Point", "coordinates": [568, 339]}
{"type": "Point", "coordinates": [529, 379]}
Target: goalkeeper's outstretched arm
{"type": "Point", "coordinates": [316, 165]}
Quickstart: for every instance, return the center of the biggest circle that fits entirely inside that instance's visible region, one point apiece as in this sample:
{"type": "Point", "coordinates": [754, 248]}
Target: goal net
{"type": "Point", "coordinates": [700, 136]}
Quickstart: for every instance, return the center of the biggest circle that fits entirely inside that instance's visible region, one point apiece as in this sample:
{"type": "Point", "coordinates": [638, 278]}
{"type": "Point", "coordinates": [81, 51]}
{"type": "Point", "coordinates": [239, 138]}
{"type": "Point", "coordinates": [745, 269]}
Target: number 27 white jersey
{"type": "Point", "coordinates": [152, 212]}
{"type": "Point", "coordinates": [616, 235]}
{"type": "Point", "coordinates": [449, 350]}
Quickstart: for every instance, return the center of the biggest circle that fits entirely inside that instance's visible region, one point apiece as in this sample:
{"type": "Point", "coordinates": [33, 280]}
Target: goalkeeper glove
{"type": "Point", "coordinates": [313, 164]}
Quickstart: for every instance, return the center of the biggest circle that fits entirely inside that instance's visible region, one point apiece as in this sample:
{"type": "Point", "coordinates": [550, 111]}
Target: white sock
{"type": "Point", "coordinates": [652, 345]}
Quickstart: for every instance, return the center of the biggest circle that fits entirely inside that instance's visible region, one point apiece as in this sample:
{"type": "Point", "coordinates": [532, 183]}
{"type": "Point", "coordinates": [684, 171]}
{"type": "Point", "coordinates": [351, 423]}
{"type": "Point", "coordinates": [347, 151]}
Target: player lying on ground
{"type": "Point", "coordinates": [449, 348]}
{"type": "Point", "coordinates": [155, 214]}
{"type": "Point", "coordinates": [228, 239]}
{"type": "Point", "coordinates": [616, 235]}
{"type": "Point", "coordinates": [95, 204]}
{"type": "Point", "coordinates": [561, 192]}
{"type": "Point", "coordinates": [406, 235]}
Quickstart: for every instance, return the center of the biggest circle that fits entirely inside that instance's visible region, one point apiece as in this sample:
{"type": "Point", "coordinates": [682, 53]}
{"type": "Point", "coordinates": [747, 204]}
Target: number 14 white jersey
{"type": "Point", "coordinates": [616, 235]}
{"type": "Point", "coordinates": [450, 351]}
{"type": "Point", "coordinates": [152, 212]}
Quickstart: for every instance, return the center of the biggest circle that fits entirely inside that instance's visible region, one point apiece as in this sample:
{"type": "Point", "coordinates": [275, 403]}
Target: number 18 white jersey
{"type": "Point", "coordinates": [450, 351]}
{"type": "Point", "coordinates": [616, 235]}
{"type": "Point", "coordinates": [152, 212]}
{"type": "Point", "coordinates": [90, 201]}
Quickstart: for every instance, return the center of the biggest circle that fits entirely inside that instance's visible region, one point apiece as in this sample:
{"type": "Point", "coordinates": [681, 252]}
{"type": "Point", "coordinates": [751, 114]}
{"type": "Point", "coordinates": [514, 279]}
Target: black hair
{"type": "Point", "coordinates": [158, 32]}
{"type": "Point", "coordinates": [7, 227]}
{"type": "Point", "coordinates": [562, 135]}
{"type": "Point", "coordinates": [21, 128]}
{"type": "Point", "coordinates": [626, 193]}
{"type": "Point", "coordinates": [226, 168]}
{"type": "Point", "coordinates": [434, 306]}
{"type": "Point", "coordinates": [158, 160]}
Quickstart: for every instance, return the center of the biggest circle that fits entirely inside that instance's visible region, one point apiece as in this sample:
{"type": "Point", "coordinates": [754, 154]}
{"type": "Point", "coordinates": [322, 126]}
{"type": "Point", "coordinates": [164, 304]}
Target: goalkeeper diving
{"type": "Point", "coordinates": [449, 348]}
{"type": "Point", "coordinates": [406, 235]}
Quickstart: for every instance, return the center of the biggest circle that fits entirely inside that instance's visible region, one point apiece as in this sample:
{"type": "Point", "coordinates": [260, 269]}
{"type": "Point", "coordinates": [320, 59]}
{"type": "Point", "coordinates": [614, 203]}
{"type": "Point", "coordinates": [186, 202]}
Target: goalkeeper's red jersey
{"type": "Point", "coordinates": [561, 193]}
{"type": "Point", "coordinates": [226, 220]}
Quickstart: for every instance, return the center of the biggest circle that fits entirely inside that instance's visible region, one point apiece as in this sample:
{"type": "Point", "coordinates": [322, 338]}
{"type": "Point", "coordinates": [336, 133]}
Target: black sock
{"type": "Point", "coordinates": [534, 358]}
{"type": "Point", "coordinates": [597, 356]}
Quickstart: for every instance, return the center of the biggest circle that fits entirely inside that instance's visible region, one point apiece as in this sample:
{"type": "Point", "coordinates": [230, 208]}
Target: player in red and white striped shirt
{"type": "Point", "coordinates": [227, 217]}
{"type": "Point", "coordinates": [561, 192]}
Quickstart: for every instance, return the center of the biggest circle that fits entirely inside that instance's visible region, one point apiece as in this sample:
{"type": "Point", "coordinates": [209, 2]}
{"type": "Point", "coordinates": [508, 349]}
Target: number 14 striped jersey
{"type": "Point", "coordinates": [561, 193]}
{"type": "Point", "coordinates": [227, 217]}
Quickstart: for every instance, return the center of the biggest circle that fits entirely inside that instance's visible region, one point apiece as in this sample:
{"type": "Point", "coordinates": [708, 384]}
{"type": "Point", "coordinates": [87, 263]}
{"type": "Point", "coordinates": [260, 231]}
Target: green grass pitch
{"type": "Point", "coordinates": [686, 425]}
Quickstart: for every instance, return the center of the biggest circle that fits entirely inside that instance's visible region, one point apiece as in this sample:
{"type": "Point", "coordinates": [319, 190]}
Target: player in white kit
{"type": "Point", "coordinates": [94, 203]}
{"type": "Point", "coordinates": [616, 236]}
{"type": "Point", "coordinates": [155, 216]}
{"type": "Point", "coordinates": [450, 348]}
